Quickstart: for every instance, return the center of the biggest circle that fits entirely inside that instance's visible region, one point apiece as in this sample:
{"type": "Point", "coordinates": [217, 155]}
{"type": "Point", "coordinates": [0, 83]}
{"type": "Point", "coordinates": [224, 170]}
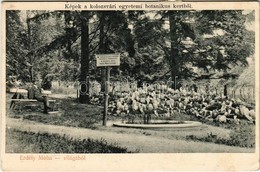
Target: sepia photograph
{"type": "Point", "coordinates": [129, 81]}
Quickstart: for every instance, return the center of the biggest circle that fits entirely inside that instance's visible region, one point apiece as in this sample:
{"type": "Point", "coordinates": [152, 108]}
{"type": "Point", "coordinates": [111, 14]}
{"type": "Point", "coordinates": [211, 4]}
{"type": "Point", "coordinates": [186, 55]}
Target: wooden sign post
{"type": "Point", "coordinates": [107, 60]}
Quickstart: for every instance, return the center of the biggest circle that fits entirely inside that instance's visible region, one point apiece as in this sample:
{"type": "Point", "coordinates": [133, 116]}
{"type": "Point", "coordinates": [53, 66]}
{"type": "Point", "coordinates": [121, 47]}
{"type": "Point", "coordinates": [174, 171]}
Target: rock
{"type": "Point", "coordinates": [148, 99]}
{"type": "Point", "coordinates": [119, 105]}
{"type": "Point", "coordinates": [222, 118]}
{"type": "Point", "coordinates": [118, 112]}
{"type": "Point", "coordinates": [244, 111]}
{"type": "Point", "coordinates": [142, 100]}
{"type": "Point", "coordinates": [252, 113]}
{"type": "Point", "coordinates": [210, 119]}
{"type": "Point", "coordinates": [180, 105]}
{"type": "Point", "coordinates": [214, 113]}
{"type": "Point", "coordinates": [156, 113]}
{"type": "Point", "coordinates": [237, 111]}
{"type": "Point", "coordinates": [126, 107]}
{"type": "Point", "coordinates": [237, 121]}
{"type": "Point", "coordinates": [150, 107]}
{"type": "Point", "coordinates": [246, 114]}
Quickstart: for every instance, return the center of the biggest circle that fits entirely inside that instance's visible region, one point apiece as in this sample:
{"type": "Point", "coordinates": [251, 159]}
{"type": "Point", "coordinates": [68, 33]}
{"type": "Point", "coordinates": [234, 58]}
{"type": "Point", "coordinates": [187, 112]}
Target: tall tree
{"type": "Point", "coordinates": [15, 34]}
{"type": "Point", "coordinates": [84, 76]}
{"type": "Point", "coordinates": [102, 45]}
{"type": "Point", "coordinates": [174, 51]}
{"type": "Point", "coordinates": [208, 40]}
{"type": "Point", "coordinates": [114, 37]}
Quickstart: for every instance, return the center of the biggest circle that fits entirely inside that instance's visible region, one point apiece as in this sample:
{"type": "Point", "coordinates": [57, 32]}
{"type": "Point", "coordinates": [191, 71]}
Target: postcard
{"type": "Point", "coordinates": [130, 86]}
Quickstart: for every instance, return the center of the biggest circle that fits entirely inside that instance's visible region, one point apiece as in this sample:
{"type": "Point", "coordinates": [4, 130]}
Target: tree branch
{"type": "Point", "coordinates": [95, 33]}
{"type": "Point", "coordinates": [163, 48]}
{"type": "Point", "coordinates": [105, 35]}
{"type": "Point", "coordinates": [42, 16]}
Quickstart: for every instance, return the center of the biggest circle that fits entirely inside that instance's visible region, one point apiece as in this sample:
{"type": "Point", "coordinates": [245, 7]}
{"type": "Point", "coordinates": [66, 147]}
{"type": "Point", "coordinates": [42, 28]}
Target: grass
{"type": "Point", "coordinates": [70, 114]}
{"type": "Point", "coordinates": [29, 142]}
{"type": "Point", "coordinates": [242, 136]}
{"type": "Point", "coordinates": [74, 114]}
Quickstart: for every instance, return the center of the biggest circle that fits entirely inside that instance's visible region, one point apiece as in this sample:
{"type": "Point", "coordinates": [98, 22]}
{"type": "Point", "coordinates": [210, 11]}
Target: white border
{"type": "Point", "coordinates": [135, 162]}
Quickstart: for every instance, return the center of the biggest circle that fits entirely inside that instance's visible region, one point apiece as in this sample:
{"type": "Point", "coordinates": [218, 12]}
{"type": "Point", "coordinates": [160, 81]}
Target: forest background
{"type": "Point", "coordinates": [205, 49]}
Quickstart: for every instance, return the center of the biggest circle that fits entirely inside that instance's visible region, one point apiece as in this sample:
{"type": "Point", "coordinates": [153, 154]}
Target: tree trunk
{"type": "Point", "coordinates": [174, 59]}
{"type": "Point", "coordinates": [102, 49]}
{"type": "Point", "coordinates": [69, 30]}
{"type": "Point", "coordinates": [70, 33]}
{"type": "Point", "coordinates": [84, 76]}
{"type": "Point", "coordinates": [31, 78]}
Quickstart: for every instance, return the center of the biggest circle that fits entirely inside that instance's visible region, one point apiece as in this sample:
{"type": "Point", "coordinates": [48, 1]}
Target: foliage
{"type": "Point", "coordinates": [48, 45]}
{"type": "Point", "coordinates": [30, 142]}
{"type": "Point", "coordinates": [15, 44]}
{"type": "Point", "coordinates": [24, 64]}
{"type": "Point", "coordinates": [210, 40]}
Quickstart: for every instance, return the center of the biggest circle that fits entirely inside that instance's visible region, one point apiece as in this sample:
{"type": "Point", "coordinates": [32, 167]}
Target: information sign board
{"type": "Point", "coordinates": [108, 60]}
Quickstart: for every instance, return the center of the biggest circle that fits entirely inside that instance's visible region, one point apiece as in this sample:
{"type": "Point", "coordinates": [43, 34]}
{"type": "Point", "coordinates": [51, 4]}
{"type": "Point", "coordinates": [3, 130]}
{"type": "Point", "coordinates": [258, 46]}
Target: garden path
{"type": "Point", "coordinates": [132, 141]}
